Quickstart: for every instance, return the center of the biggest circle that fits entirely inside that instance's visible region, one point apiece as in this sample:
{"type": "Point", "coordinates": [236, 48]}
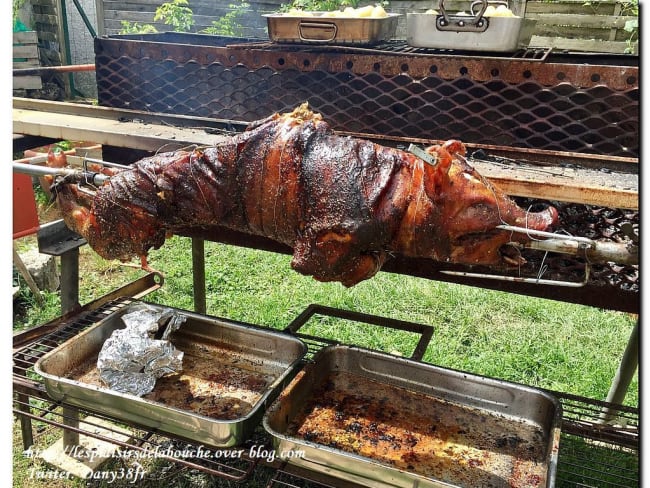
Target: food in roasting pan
{"type": "Point", "coordinates": [490, 11]}
{"type": "Point", "coordinates": [387, 422]}
{"type": "Point", "coordinates": [369, 11]}
{"type": "Point", "coordinates": [212, 383]}
{"type": "Point", "coordinates": [422, 434]}
{"type": "Point", "coordinates": [361, 26]}
{"type": "Point", "coordinates": [230, 371]}
{"type": "Point", "coordinates": [344, 205]}
{"type": "Point", "coordinates": [488, 25]}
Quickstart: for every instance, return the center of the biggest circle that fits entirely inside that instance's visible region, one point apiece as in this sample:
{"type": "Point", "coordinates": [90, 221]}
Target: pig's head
{"type": "Point", "coordinates": [115, 228]}
{"type": "Point", "coordinates": [466, 209]}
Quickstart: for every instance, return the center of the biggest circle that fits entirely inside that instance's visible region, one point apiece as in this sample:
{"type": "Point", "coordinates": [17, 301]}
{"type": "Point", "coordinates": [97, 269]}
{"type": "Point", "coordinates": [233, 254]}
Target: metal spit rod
{"type": "Point", "coordinates": [106, 163]}
{"type": "Point", "coordinates": [35, 170]}
{"type": "Point", "coordinates": [519, 279]}
{"type": "Point", "coordinates": [592, 251]}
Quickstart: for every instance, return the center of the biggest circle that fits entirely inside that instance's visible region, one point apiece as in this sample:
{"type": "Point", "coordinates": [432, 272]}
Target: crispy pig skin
{"type": "Point", "coordinates": [343, 204]}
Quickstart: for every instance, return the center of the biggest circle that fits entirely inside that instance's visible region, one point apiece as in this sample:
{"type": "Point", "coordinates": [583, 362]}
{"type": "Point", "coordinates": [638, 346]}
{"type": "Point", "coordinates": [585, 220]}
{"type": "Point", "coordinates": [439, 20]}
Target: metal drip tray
{"type": "Point", "coordinates": [230, 372]}
{"type": "Point", "coordinates": [385, 421]}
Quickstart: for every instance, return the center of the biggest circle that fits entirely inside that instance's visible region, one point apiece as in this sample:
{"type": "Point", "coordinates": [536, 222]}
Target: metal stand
{"type": "Point", "coordinates": [56, 239]}
{"type": "Point", "coordinates": [624, 374]}
{"type": "Point", "coordinates": [198, 274]}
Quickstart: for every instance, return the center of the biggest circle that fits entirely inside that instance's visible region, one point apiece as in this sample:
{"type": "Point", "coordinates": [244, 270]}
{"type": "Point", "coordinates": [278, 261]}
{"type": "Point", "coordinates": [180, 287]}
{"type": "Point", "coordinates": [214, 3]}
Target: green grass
{"type": "Point", "coordinates": [540, 342]}
{"type": "Point", "coordinates": [555, 345]}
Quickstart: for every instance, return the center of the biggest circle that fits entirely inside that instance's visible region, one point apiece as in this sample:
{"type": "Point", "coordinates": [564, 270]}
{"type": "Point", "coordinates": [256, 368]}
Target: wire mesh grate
{"type": "Point", "coordinates": [391, 91]}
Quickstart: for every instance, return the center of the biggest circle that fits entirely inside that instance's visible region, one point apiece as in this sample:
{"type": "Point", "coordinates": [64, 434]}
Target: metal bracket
{"type": "Point", "coordinates": [425, 331]}
{"type": "Point", "coordinates": [55, 239]}
{"type": "Point", "coordinates": [558, 243]}
{"type": "Point", "coordinates": [423, 155]}
{"type": "Point", "coordinates": [519, 279]}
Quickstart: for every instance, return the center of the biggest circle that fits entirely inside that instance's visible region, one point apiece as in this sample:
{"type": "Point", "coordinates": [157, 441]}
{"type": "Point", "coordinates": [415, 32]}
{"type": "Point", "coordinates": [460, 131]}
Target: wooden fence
{"type": "Point", "coordinates": [578, 25]}
{"type": "Point", "coordinates": [25, 55]}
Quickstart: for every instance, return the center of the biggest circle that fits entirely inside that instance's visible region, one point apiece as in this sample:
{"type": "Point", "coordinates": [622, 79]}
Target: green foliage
{"type": "Point", "coordinates": [16, 6]}
{"type": "Point", "coordinates": [524, 339]}
{"type": "Point", "coordinates": [228, 25]}
{"type": "Point", "coordinates": [42, 199]}
{"type": "Point", "coordinates": [629, 8]}
{"type": "Point", "coordinates": [631, 26]}
{"type": "Point", "coordinates": [65, 145]}
{"type": "Point", "coordinates": [319, 5]}
{"type": "Point", "coordinates": [543, 343]}
{"type": "Point", "coordinates": [136, 28]}
{"type": "Point", "coordinates": [177, 14]}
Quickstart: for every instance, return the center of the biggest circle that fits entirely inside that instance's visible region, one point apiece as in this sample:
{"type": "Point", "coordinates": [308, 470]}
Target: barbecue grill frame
{"type": "Point", "coordinates": [584, 434]}
{"type": "Point", "coordinates": [582, 422]}
{"type": "Point", "coordinates": [392, 89]}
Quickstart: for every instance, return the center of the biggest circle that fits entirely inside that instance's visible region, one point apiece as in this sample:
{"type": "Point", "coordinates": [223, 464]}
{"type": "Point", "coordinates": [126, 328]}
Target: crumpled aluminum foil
{"type": "Point", "coordinates": [132, 359]}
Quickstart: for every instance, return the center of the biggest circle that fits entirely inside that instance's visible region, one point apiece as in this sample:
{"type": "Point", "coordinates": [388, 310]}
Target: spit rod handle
{"type": "Point", "coordinates": [35, 170]}
{"type": "Point", "coordinates": [598, 252]}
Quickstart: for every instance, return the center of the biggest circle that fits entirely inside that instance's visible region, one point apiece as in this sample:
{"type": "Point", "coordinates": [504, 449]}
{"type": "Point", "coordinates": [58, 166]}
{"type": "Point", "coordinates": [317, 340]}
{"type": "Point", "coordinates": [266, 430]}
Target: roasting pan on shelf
{"type": "Point", "coordinates": [472, 31]}
{"type": "Point", "coordinates": [231, 372]}
{"type": "Point", "coordinates": [315, 28]}
{"type": "Point", "coordinates": [384, 421]}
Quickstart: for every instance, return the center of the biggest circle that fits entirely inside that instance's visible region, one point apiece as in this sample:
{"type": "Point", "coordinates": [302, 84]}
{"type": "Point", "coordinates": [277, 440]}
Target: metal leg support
{"type": "Point", "coordinates": [56, 239]}
{"type": "Point", "coordinates": [625, 373]}
{"type": "Point", "coordinates": [198, 274]}
{"type": "Point", "coordinates": [70, 418]}
{"type": "Point", "coordinates": [69, 281]}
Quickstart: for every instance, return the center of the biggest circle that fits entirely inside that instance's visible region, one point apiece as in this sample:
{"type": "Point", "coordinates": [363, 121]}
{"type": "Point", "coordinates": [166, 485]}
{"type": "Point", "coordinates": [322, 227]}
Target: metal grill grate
{"type": "Point", "coordinates": [148, 443]}
{"type": "Point", "coordinates": [592, 452]}
{"type": "Point", "coordinates": [517, 102]}
{"type": "Point", "coordinates": [396, 46]}
{"type": "Point", "coordinates": [26, 357]}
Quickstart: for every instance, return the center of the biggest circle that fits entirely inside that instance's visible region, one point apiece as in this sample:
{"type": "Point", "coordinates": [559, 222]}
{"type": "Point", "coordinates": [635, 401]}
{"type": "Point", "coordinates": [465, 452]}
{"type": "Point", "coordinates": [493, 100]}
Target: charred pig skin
{"type": "Point", "coordinates": [343, 204]}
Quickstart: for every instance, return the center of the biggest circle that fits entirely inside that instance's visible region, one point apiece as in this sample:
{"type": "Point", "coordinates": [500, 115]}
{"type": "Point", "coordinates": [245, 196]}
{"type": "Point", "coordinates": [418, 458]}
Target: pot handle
{"type": "Point", "coordinates": [460, 23]}
{"type": "Point", "coordinates": [325, 27]}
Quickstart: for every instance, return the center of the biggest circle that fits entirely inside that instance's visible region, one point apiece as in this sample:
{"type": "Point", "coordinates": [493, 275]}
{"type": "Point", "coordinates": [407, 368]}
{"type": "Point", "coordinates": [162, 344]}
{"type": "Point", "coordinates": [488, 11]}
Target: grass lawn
{"type": "Point", "coordinates": [538, 342]}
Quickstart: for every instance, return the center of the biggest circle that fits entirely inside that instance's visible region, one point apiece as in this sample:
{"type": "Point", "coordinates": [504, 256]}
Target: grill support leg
{"type": "Point", "coordinates": [69, 280]}
{"type": "Point", "coordinates": [198, 274]}
{"type": "Point", "coordinates": [25, 421]}
{"type": "Point", "coordinates": [70, 418]}
{"type": "Point", "coordinates": [26, 425]}
{"type": "Point", "coordinates": [625, 373]}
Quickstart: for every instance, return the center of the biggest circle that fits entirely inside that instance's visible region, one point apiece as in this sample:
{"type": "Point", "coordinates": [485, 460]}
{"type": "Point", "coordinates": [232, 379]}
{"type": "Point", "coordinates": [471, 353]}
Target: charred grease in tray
{"type": "Point", "coordinates": [215, 382]}
{"type": "Point", "coordinates": [411, 431]}
{"type": "Point", "coordinates": [230, 370]}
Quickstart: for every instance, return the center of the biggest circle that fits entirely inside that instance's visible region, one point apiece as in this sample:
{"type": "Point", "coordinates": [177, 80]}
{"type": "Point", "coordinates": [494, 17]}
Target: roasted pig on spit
{"type": "Point", "coordinates": [344, 205]}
